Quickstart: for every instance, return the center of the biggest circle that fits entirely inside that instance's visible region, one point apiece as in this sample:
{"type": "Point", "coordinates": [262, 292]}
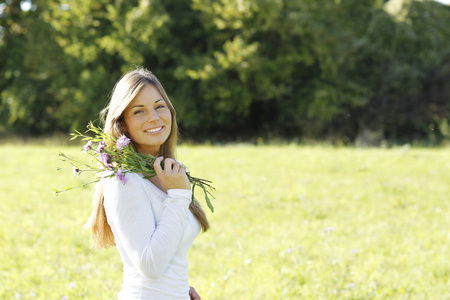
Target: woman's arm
{"type": "Point", "coordinates": [130, 214]}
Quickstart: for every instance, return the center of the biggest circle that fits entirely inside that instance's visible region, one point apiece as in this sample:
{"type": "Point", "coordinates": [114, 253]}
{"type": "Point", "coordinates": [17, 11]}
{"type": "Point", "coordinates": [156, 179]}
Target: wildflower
{"type": "Point", "coordinates": [351, 285]}
{"type": "Point", "coordinates": [122, 142]}
{"type": "Point", "coordinates": [101, 146]}
{"type": "Point", "coordinates": [71, 285]}
{"type": "Point", "coordinates": [120, 176]}
{"type": "Point", "coordinates": [355, 251]}
{"type": "Point", "coordinates": [65, 298]}
{"type": "Point", "coordinates": [289, 250]}
{"type": "Point", "coordinates": [104, 159]}
{"type": "Point", "coordinates": [328, 229]}
{"type": "Point", "coordinates": [87, 147]}
{"type": "Point", "coordinates": [75, 170]}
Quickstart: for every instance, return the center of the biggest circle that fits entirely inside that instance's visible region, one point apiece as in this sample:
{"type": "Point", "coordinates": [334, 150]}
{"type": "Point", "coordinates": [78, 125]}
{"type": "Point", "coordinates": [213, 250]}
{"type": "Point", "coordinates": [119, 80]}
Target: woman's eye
{"type": "Point", "coordinates": [160, 106]}
{"type": "Point", "coordinates": [138, 111]}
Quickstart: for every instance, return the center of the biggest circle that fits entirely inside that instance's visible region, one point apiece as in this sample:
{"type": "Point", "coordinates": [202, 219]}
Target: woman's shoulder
{"type": "Point", "coordinates": [132, 187]}
{"type": "Point", "coordinates": [124, 184]}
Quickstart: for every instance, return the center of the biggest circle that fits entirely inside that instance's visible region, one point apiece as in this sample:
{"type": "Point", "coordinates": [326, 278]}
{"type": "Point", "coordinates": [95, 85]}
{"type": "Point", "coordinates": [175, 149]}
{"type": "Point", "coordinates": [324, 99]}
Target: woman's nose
{"type": "Point", "coordinates": [152, 116]}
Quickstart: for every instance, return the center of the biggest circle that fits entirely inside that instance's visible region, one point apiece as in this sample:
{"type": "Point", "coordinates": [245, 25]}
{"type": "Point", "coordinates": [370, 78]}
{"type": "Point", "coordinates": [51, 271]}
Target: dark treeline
{"type": "Point", "coordinates": [235, 69]}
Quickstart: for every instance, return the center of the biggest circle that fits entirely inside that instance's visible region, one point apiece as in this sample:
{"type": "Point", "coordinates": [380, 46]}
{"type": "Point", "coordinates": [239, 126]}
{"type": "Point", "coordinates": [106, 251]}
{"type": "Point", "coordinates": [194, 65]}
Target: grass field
{"type": "Point", "coordinates": [291, 222]}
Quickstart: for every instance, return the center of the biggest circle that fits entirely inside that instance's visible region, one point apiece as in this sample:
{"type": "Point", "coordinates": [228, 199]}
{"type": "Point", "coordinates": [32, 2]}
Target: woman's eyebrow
{"type": "Point", "coordinates": [159, 100]}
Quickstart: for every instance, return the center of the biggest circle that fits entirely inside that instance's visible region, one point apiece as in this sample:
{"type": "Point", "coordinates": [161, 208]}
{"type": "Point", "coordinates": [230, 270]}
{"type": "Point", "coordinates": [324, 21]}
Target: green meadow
{"type": "Point", "coordinates": [290, 222]}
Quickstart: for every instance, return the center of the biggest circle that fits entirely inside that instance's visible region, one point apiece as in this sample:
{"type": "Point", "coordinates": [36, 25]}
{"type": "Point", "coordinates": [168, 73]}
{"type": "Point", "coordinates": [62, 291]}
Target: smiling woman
{"type": "Point", "coordinates": [148, 120]}
{"type": "Point", "coordinates": [137, 92]}
{"type": "Point", "coordinates": [153, 222]}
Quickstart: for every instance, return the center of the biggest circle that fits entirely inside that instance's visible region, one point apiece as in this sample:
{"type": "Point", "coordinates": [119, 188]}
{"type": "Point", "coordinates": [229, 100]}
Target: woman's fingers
{"type": "Point", "coordinates": [169, 164]}
{"type": "Point", "coordinates": [157, 165]}
{"type": "Point", "coordinates": [177, 168]}
{"type": "Point", "coordinates": [193, 294]}
{"type": "Point", "coordinates": [173, 176]}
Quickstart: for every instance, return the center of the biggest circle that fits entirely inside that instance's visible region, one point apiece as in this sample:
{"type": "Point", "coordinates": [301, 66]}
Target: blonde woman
{"type": "Point", "coordinates": [151, 222]}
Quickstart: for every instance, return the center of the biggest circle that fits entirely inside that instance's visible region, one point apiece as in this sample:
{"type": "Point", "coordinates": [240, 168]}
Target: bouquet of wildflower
{"type": "Point", "coordinates": [111, 157]}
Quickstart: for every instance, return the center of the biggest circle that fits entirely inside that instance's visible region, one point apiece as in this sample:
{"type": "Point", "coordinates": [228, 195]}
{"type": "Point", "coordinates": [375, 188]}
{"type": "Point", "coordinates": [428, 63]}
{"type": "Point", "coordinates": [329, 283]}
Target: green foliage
{"type": "Point", "coordinates": [398, 62]}
{"type": "Point", "coordinates": [314, 69]}
{"type": "Point", "coordinates": [290, 223]}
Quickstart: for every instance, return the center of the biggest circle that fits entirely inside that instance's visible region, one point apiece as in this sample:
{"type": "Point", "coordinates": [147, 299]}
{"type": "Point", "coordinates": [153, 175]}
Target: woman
{"type": "Point", "coordinates": [152, 222]}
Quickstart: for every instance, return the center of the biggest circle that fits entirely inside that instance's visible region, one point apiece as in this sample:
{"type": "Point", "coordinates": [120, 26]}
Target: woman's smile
{"type": "Point", "coordinates": [154, 130]}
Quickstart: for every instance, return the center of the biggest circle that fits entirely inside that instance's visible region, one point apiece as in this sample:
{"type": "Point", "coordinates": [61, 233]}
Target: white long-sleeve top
{"type": "Point", "coordinates": [153, 231]}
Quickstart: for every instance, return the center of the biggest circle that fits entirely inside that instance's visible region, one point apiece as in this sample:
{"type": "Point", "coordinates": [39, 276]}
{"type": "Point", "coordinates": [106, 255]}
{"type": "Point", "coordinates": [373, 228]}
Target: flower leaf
{"type": "Point", "coordinates": [143, 163]}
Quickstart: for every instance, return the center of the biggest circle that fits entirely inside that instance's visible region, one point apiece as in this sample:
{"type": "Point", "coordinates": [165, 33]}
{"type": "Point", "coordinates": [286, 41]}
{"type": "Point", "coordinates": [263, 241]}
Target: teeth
{"type": "Point", "coordinates": [154, 130]}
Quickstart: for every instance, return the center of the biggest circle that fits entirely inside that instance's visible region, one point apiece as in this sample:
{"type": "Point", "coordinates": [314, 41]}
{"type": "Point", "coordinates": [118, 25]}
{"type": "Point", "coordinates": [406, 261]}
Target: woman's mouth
{"type": "Point", "coordinates": [154, 130]}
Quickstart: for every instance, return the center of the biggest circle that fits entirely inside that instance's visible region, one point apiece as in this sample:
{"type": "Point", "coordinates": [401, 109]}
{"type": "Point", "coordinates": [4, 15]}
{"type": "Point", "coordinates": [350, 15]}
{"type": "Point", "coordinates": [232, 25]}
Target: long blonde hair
{"type": "Point", "coordinates": [124, 92]}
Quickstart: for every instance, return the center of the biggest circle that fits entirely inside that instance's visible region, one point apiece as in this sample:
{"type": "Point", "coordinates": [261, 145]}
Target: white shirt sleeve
{"type": "Point", "coordinates": [129, 211]}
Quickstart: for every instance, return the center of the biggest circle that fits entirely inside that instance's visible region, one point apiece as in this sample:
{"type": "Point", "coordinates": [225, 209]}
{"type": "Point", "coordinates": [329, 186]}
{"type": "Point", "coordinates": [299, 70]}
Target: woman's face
{"type": "Point", "coordinates": [148, 120]}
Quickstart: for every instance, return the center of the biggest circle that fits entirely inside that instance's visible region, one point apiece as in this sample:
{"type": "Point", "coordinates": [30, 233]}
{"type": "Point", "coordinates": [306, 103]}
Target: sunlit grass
{"type": "Point", "coordinates": [291, 222]}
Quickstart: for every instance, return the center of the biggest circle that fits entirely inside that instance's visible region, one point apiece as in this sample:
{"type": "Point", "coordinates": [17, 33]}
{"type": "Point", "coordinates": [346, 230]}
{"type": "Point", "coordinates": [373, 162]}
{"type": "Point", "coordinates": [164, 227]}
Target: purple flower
{"type": "Point", "coordinates": [75, 170]}
{"type": "Point", "coordinates": [87, 147]}
{"type": "Point", "coordinates": [101, 146]}
{"type": "Point", "coordinates": [328, 229]}
{"type": "Point", "coordinates": [103, 158]}
{"type": "Point", "coordinates": [120, 176]}
{"type": "Point", "coordinates": [122, 142]}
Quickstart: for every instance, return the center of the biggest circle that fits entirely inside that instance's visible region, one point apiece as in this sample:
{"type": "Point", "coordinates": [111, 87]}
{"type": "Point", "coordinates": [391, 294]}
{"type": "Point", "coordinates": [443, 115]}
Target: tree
{"type": "Point", "coordinates": [25, 89]}
{"type": "Point", "coordinates": [233, 68]}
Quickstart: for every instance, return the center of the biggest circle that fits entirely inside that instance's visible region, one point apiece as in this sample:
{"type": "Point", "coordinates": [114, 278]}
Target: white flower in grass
{"type": "Point", "coordinates": [328, 229]}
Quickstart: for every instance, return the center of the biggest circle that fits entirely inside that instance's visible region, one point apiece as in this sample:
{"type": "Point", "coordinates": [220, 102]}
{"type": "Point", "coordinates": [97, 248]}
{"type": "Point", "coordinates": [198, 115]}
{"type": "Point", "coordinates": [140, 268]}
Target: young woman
{"type": "Point", "coordinates": [152, 222]}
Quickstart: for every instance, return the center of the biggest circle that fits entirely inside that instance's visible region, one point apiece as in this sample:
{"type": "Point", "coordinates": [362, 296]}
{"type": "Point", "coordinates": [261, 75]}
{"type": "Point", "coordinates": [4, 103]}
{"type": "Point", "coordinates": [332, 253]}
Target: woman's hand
{"type": "Point", "coordinates": [193, 294]}
{"type": "Point", "coordinates": [173, 176]}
